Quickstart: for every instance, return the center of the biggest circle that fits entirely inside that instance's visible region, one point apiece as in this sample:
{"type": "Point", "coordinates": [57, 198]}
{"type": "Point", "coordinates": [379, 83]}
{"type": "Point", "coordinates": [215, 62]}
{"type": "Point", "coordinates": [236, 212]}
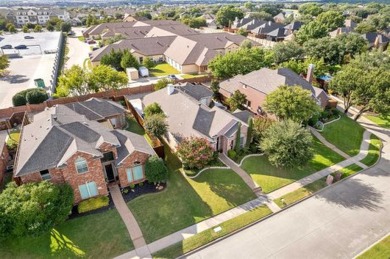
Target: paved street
{"type": "Point", "coordinates": [78, 51]}
{"type": "Point", "coordinates": [339, 222]}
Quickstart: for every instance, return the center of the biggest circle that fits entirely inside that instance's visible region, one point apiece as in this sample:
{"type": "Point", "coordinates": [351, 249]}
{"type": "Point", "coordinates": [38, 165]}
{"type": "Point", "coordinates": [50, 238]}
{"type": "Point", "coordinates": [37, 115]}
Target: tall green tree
{"type": "Point", "coordinates": [73, 82]}
{"type": "Point", "coordinates": [113, 59]}
{"type": "Point", "coordinates": [312, 9]}
{"type": "Point", "coordinates": [103, 78]}
{"type": "Point", "coordinates": [289, 50]}
{"type": "Point", "coordinates": [291, 102]}
{"type": "Point", "coordinates": [237, 101]}
{"type": "Point", "coordinates": [153, 108]}
{"type": "Point", "coordinates": [128, 60]}
{"type": "Point", "coordinates": [312, 30]}
{"type": "Point", "coordinates": [227, 14]}
{"type": "Point", "coordinates": [156, 125]}
{"type": "Point", "coordinates": [4, 64]}
{"type": "Point", "coordinates": [287, 144]}
{"type": "Point", "coordinates": [33, 208]}
{"type": "Point", "coordinates": [155, 170]}
{"type": "Point", "coordinates": [331, 20]}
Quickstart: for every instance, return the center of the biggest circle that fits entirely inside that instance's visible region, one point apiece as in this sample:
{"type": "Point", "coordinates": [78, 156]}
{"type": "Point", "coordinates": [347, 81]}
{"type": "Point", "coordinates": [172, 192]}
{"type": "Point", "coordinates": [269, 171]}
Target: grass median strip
{"type": "Point", "coordinates": [373, 151]}
{"type": "Point", "coordinates": [349, 170]}
{"type": "Point", "coordinates": [380, 250]}
{"type": "Point", "coordinates": [209, 235]}
{"type": "Point", "coordinates": [301, 193]}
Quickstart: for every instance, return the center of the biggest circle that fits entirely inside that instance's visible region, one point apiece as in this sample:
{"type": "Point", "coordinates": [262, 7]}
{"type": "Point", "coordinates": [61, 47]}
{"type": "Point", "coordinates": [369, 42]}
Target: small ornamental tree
{"type": "Point", "coordinates": [250, 133]}
{"type": "Point", "coordinates": [155, 170]}
{"type": "Point", "coordinates": [128, 60]}
{"type": "Point", "coordinates": [237, 145]}
{"type": "Point", "coordinates": [148, 63]}
{"type": "Point", "coordinates": [195, 152]}
{"type": "Point", "coordinates": [237, 100]}
{"type": "Point", "coordinates": [33, 208]}
{"type": "Point", "coordinates": [287, 144]}
{"type": "Point", "coordinates": [153, 108]}
{"type": "Point", "coordinates": [36, 96]}
{"type": "Point", "coordinates": [156, 125]}
{"type": "Point", "coordinates": [162, 83]}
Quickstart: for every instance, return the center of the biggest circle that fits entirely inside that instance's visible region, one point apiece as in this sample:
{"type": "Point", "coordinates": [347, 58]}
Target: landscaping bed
{"type": "Point", "coordinates": [75, 212]}
{"type": "Point", "coordinates": [129, 193]}
{"type": "Point", "coordinates": [209, 235]}
{"type": "Point", "coordinates": [270, 178]}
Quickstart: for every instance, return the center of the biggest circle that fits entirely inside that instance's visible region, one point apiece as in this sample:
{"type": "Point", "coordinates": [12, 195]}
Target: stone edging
{"type": "Point", "coordinates": [205, 169]}
{"type": "Point", "coordinates": [329, 122]}
{"type": "Point", "coordinates": [245, 157]}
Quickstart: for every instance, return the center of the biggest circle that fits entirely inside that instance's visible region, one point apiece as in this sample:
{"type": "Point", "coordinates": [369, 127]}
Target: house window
{"type": "Point", "coordinates": [81, 165]}
{"type": "Point", "coordinates": [141, 59]}
{"type": "Point", "coordinates": [45, 174]}
{"type": "Point", "coordinates": [242, 142]}
{"type": "Point", "coordinates": [88, 190]}
{"type": "Point", "coordinates": [248, 104]}
{"type": "Point", "coordinates": [135, 173]}
{"type": "Point", "coordinates": [109, 156]}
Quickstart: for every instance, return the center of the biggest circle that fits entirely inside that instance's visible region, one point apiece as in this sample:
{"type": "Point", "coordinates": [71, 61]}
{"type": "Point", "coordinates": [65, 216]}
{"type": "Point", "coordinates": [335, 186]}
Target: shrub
{"type": "Point", "coordinates": [33, 208]}
{"type": "Point", "coordinates": [156, 125]}
{"type": "Point", "coordinates": [32, 96]}
{"type": "Point", "coordinates": [162, 83]}
{"type": "Point", "coordinates": [153, 108]}
{"type": "Point", "coordinates": [155, 170]}
{"type": "Point", "coordinates": [132, 186]}
{"type": "Point", "coordinates": [93, 204]}
{"type": "Point", "coordinates": [195, 152]}
{"type": "Point", "coordinates": [232, 154]}
{"type": "Point", "coordinates": [36, 96]}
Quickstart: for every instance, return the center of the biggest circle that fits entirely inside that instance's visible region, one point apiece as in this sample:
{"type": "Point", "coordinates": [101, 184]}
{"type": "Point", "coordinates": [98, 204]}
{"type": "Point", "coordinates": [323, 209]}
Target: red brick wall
{"type": "Point", "coordinates": [129, 162]}
{"type": "Point", "coordinates": [105, 147]}
{"type": "Point", "coordinates": [34, 177]}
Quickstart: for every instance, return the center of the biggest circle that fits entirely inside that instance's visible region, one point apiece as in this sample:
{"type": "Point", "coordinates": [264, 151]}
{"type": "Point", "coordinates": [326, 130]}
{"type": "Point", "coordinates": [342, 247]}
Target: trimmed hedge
{"type": "Point", "coordinates": [31, 96]}
{"type": "Point", "coordinates": [93, 204]}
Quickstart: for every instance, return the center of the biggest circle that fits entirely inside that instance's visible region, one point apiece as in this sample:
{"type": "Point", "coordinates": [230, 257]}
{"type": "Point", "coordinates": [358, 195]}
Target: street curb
{"type": "Point", "coordinates": [371, 246]}
{"type": "Point", "coordinates": [282, 209]}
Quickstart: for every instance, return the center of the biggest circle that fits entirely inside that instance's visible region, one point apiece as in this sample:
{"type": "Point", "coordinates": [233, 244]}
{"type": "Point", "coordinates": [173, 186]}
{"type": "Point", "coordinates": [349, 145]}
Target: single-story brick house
{"type": "Point", "coordinates": [189, 114]}
{"type": "Point", "coordinates": [62, 145]}
{"type": "Point", "coordinates": [258, 84]}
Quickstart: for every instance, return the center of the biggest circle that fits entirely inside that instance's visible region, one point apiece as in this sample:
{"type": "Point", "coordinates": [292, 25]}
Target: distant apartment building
{"type": "Point", "coordinates": [36, 16]}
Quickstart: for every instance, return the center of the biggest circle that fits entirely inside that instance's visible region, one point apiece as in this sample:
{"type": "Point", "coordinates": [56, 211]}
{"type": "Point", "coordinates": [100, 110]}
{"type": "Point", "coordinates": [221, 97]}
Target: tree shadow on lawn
{"type": "Point", "coordinates": [353, 193]}
{"type": "Point", "coordinates": [227, 186]}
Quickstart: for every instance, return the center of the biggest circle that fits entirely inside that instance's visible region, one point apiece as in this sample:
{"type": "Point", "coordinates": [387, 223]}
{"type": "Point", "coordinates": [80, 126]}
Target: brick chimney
{"type": "Point", "coordinates": [310, 74]}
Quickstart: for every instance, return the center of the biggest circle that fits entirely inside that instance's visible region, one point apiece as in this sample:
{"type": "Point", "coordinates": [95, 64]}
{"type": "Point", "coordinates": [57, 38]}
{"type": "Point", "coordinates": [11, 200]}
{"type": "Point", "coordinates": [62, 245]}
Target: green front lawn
{"type": "Point", "coordinates": [346, 134]}
{"type": "Point", "coordinates": [379, 251]}
{"type": "Point", "coordinates": [209, 235]}
{"type": "Point", "coordinates": [186, 202]}
{"type": "Point", "coordinates": [373, 151]}
{"type": "Point", "coordinates": [102, 235]}
{"type": "Point", "coordinates": [349, 170]}
{"type": "Point", "coordinates": [189, 76]}
{"type": "Point", "coordinates": [381, 121]}
{"type": "Point", "coordinates": [163, 69]}
{"type": "Point", "coordinates": [271, 178]}
{"type": "Point", "coordinates": [301, 193]}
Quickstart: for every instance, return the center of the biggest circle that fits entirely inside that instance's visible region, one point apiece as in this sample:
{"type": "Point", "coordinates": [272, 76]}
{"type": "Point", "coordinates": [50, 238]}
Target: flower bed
{"type": "Point", "coordinates": [129, 193]}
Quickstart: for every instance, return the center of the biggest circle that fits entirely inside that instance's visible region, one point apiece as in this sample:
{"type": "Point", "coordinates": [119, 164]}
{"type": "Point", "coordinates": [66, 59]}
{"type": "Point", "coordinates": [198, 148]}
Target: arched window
{"type": "Point", "coordinates": [81, 165]}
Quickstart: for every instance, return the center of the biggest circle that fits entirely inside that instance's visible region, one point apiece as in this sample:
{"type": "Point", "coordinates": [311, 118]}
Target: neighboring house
{"type": "Point", "coordinates": [258, 84]}
{"type": "Point", "coordinates": [73, 144]}
{"type": "Point", "coordinates": [182, 47]}
{"type": "Point", "coordinates": [188, 114]}
{"type": "Point", "coordinates": [4, 155]}
{"type": "Point", "coordinates": [270, 31]}
{"type": "Point", "coordinates": [293, 27]}
{"type": "Point", "coordinates": [349, 26]}
{"type": "Point", "coordinates": [279, 18]}
{"type": "Point", "coordinates": [210, 20]}
{"type": "Point", "coordinates": [37, 16]}
{"type": "Point", "coordinates": [376, 40]}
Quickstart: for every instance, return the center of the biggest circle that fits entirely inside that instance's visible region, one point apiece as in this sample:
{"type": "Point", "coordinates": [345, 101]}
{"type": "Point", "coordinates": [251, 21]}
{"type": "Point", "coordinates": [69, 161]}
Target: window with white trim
{"type": "Point", "coordinates": [135, 173]}
{"type": "Point", "coordinates": [88, 190]}
{"type": "Point", "coordinates": [81, 165]}
{"type": "Point", "coordinates": [45, 174]}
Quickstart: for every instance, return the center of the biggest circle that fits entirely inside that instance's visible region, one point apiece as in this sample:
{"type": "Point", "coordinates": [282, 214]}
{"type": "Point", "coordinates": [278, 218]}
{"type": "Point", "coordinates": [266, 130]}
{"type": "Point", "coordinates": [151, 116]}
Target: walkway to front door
{"type": "Point", "coordinates": [131, 224]}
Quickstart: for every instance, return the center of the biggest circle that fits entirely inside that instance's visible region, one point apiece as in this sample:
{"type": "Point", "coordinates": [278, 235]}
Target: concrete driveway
{"type": "Point", "coordinates": [78, 50]}
{"type": "Point", "coordinates": [339, 222]}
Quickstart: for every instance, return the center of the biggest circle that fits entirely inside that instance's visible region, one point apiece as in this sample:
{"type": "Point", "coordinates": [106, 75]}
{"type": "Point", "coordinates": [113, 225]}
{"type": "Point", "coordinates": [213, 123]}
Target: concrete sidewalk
{"type": "Point", "coordinates": [328, 144]}
{"type": "Point", "coordinates": [135, 232]}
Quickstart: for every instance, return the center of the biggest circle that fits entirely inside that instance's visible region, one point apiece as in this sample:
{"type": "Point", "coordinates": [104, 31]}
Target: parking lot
{"type": "Point", "coordinates": [32, 63]}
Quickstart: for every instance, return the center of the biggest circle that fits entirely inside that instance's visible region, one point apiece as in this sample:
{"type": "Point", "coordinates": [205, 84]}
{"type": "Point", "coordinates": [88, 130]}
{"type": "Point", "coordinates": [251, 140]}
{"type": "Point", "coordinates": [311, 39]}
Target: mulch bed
{"type": "Point", "coordinates": [140, 190]}
{"type": "Point", "coordinates": [130, 195]}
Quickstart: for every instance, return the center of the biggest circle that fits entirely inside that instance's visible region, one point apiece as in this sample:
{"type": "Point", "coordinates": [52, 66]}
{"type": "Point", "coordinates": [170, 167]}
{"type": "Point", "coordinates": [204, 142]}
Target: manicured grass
{"type": "Point", "coordinates": [381, 121]}
{"type": "Point", "coordinates": [102, 235]}
{"type": "Point", "coordinates": [189, 76]}
{"type": "Point", "coordinates": [163, 69]}
{"type": "Point", "coordinates": [183, 203]}
{"type": "Point", "coordinates": [271, 178]}
{"type": "Point", "coordinates": [133, 126]}
{"type": "Point", "coordinates": [209, 235]}
{"type": "Point", "coordinates": [373, 151]}
{"type": "Point", "coordinates": [349, 170]}
{"type": "Point", "coordinates": [193, 172]}
{"type": "Point", "coordinates": [346, 134]}
{"type": "Point", "coordinates": [301, 193]}
{"type": "Point", "coordinates": [379, 251]}
{"type": "Point", "coordinates": [221, 189]}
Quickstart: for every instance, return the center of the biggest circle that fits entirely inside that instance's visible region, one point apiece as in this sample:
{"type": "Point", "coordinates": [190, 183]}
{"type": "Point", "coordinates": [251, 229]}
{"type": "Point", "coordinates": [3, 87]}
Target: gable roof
{"type": "Point", "coordinates": [197, 92]}
{"type": "Point", "coordinates": [187, 117]}
{"type": "Point", "coordinates": [96, 109]}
